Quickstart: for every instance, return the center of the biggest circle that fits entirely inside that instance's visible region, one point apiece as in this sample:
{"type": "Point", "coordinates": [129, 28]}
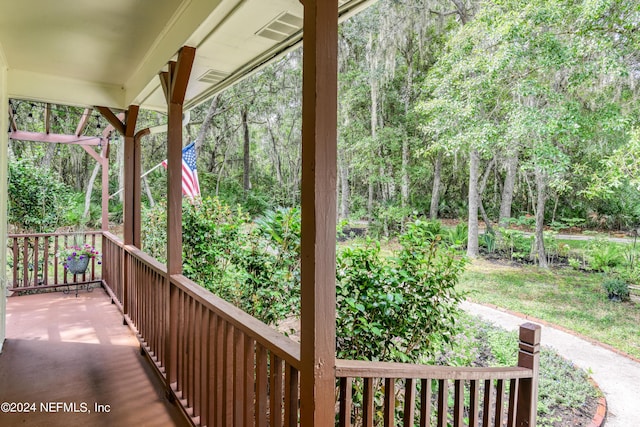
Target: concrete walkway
{"type": "Point", "coordinates": [617, 376]}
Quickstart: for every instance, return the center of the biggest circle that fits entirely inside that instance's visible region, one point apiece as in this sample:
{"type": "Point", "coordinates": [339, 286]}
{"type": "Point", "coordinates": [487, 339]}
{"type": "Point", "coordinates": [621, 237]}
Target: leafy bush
{"type": "Point", "coordinates": [401, 307]}
{"type": "Point", "coordinates": [37, 199]}
{"type": "Point", "coordinates": [459, 236]}
{"type": "Point", "coordinates": [211, 241]}
{"type": "Point", "coordinates": [616, 289]}
{"type": "Point", "coordinates": [603, 255]}
{"type": "Point", "coordinates": [515, 243]}
{"type": "Point", "coordinates": [388, 220]}
{"type": "Point", "coordinates": [271, 259]}
{"type": "Point", "coordinates": [211, 238]}
{"type": "Point", "coordinates": [488, 241]}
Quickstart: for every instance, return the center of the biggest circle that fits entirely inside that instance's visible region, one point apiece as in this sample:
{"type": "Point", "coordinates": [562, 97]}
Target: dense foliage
{"type": "Point", "coordinates": [563, 388]}
{"type": "Point", "coordinates": [399, 307]}
{"type": "Point", "coordinates": [388, 308]}
{"type": "Point", "coordinates": [38, 202]}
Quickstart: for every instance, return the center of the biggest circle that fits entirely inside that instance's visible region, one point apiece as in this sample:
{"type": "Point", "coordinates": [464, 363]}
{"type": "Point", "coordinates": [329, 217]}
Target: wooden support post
{"type": "Point", "coordinates": [131, 180]}
{"type": "Point", "coordinates": [528, 357]}
{"type": "Point", "coordinates": [174, 83]}
{"type": "Point", "coordinates": [132, 185]}
{"type": "Point", "coordinates": [319, 169]}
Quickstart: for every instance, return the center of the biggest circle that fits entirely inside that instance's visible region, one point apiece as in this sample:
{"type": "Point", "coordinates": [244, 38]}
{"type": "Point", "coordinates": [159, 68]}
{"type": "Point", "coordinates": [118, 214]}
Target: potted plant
{"type": "Point", "coordinates": [76, 258]}
{"type": "Point", "coordinates": [616, 289]}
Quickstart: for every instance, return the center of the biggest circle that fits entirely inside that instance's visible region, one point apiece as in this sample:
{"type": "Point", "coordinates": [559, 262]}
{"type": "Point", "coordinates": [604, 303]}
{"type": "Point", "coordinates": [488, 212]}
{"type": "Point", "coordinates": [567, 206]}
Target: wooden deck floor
{"type": "Point", "coordinates": [75, 351]}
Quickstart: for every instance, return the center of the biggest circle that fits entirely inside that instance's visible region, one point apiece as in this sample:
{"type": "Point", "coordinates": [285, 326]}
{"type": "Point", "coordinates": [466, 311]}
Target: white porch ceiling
{"type": "Point", "coordinates": [109, 52]}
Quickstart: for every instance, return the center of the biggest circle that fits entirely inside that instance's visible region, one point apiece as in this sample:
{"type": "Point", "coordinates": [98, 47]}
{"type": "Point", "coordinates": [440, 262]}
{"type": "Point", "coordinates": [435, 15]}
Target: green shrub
{"type": "Point", "coordinates": [399, 308]}
{"type": "Point", "coordinates": [271, 259]}
{"type": "Point", "coordinates": [459, 236]}
{"type": "Point", "coordinates": [616, 289]}
{"type": "Point", "coordinates": [37, 199]}
{"type": "Point", "coordinates": [603, 255]}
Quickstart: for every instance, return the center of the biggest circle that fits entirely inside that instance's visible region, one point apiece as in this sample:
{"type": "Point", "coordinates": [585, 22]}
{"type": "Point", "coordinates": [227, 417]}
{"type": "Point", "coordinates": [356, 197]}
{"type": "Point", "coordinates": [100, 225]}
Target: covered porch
{"type": "Point", "coordinates": [219, 365]}
{"type": "Point", "coordinates": [62, 349]}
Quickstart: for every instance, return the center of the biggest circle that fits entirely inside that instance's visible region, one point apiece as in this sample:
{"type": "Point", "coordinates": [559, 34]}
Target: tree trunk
{"type": "Point", "coordinates": [474, 199]}
{"type": "Point", "coordinates": [370, 201]}
{"type": "Point", "coordinates": [119, 163]}
{"type": "Point", "coordinates": [404, 188]}
{"type": "Point", "coordinates": [435, 192]}
{"type": "Point", "coordinates": [246, 182]}
{"type": "Point", "coordinates": [541, 188]}
{"type": "Point", "coordinates": [508, 189]}
{"type": "Point", "coordinates": [206, 124]}
{"type": "Point", "coordinates": [48, 156]}
{"type": "Point", "coordinates": [482, 187]}
{"type": "Point", "coordinates": [147, 189]}
{"type": "Point", "coordinates": [344, 181]}
{"type": "Point", "coordinates": [87, 196]}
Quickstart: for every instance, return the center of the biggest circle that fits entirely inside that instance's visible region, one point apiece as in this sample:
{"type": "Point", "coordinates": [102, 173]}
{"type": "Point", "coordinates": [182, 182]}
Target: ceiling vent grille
{"type": "Point", "coordinates": [282, 27]}
{"type": "Point", "coordinates": [213, 77]}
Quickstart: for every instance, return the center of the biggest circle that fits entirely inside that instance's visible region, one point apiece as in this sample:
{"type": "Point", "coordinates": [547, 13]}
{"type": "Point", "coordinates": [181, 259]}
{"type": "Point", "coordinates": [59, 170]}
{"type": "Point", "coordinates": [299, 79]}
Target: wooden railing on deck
{"type": "Point", "coordinates": [227, 368]}
{"type": "Point", "coordinates": [412, 393]}
{"type": "Point", "coordinates": [33, 260]}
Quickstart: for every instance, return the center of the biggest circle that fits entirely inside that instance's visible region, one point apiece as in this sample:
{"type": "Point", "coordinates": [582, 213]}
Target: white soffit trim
{"type": "Point", "coordinates": [188, 18]}
{"type": "Point", "coordinates": [58, 90]}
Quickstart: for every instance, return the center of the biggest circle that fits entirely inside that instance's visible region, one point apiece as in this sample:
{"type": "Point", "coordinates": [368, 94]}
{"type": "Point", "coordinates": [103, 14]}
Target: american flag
{"type": "Point", "coordinates": [190, 183]}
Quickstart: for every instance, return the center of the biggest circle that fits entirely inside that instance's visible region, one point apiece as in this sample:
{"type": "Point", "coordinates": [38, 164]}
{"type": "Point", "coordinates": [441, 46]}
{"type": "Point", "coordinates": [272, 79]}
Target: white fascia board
{"type": "Point", "coordinates": [187, 19]}
{"type": "Point", "coordinates": [59, 90]}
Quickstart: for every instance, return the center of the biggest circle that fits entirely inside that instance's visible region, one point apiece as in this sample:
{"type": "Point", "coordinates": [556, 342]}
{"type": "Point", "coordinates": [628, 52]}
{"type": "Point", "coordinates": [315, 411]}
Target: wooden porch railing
{"type": "Point", "coordinates": [227, 368]}
{"type": "Point", "coordinates": [224, 366]}
{"type": "Point", "coordinates": [34, 262]}
{"type": "Point", "coordinates": [392, 394]}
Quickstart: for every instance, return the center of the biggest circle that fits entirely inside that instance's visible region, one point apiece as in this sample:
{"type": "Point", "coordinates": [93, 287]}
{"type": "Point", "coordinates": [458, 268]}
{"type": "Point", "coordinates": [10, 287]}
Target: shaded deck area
{"type": "Point", "coordinates": [60, 348]}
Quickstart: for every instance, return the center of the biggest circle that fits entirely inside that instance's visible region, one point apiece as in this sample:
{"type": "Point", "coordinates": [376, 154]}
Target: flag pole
{"type": "Point", "coordinates": [141, 176]}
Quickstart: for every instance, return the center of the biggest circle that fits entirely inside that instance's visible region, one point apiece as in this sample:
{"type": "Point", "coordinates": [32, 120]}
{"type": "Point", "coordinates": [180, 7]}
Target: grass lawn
{"type": "Point", "coordinates": [566, 297]}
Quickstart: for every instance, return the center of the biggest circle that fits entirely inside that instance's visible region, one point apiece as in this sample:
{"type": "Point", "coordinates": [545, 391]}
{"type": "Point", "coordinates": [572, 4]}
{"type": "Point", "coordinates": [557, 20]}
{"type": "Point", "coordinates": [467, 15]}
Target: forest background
{"type": "Point", "coordinates": [460, 109]}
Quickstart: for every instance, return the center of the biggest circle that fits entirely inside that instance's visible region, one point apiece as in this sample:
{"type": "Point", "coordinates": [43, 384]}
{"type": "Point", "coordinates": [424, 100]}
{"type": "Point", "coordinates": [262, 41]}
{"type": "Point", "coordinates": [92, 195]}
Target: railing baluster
{"type": "Point", "coordinates": [513, 394]}
{"type": "Point", "coordinates": [275, 398]}
{"type": "Point", "coordinates": [473, 404]}
{"type": "Point", "coordinates": [409, 402]}
{"type": "Point", "coordinates": [250, 365]}
{"type": "Point", "coordinates": [212, 404]}
{"type": "Point", "coordinates": [443, 396]}
{"type": "Point", "coordinates": [220, 374]}
{"type": "Point", "coordinates": [499, 402]}
{"type": "Point", "coordinates": [25, 262]}
{"type": "Point", "coordinates": [45, 262]}
{"type": "Point", "coordinates": [197, 361]}
{"type": "Point", "coordinates": [367, 403]}
{"type": "Point", "coordinates": [346, 402]}
{"type": "Point", "coordinates": [228, 374]}
{"type": "Point", "coordinates": [488, 399]}
{"type": "Point", "coordinates": [425, 403]}
{"type": "Point", "coordinates": [238, 377]}
{"type": "Point", "coordinates": [16, 260]}
{"type": "Point", "coordinates": [261, 386]}
{"type": "Point", "coordinates": [36, 266]}
{"type": "Point", "coordinates": [389, 402]}
{"type": "Point", "coordinates": [458, 403]}
{"type": "Point", "coordinates": [291, 396]}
